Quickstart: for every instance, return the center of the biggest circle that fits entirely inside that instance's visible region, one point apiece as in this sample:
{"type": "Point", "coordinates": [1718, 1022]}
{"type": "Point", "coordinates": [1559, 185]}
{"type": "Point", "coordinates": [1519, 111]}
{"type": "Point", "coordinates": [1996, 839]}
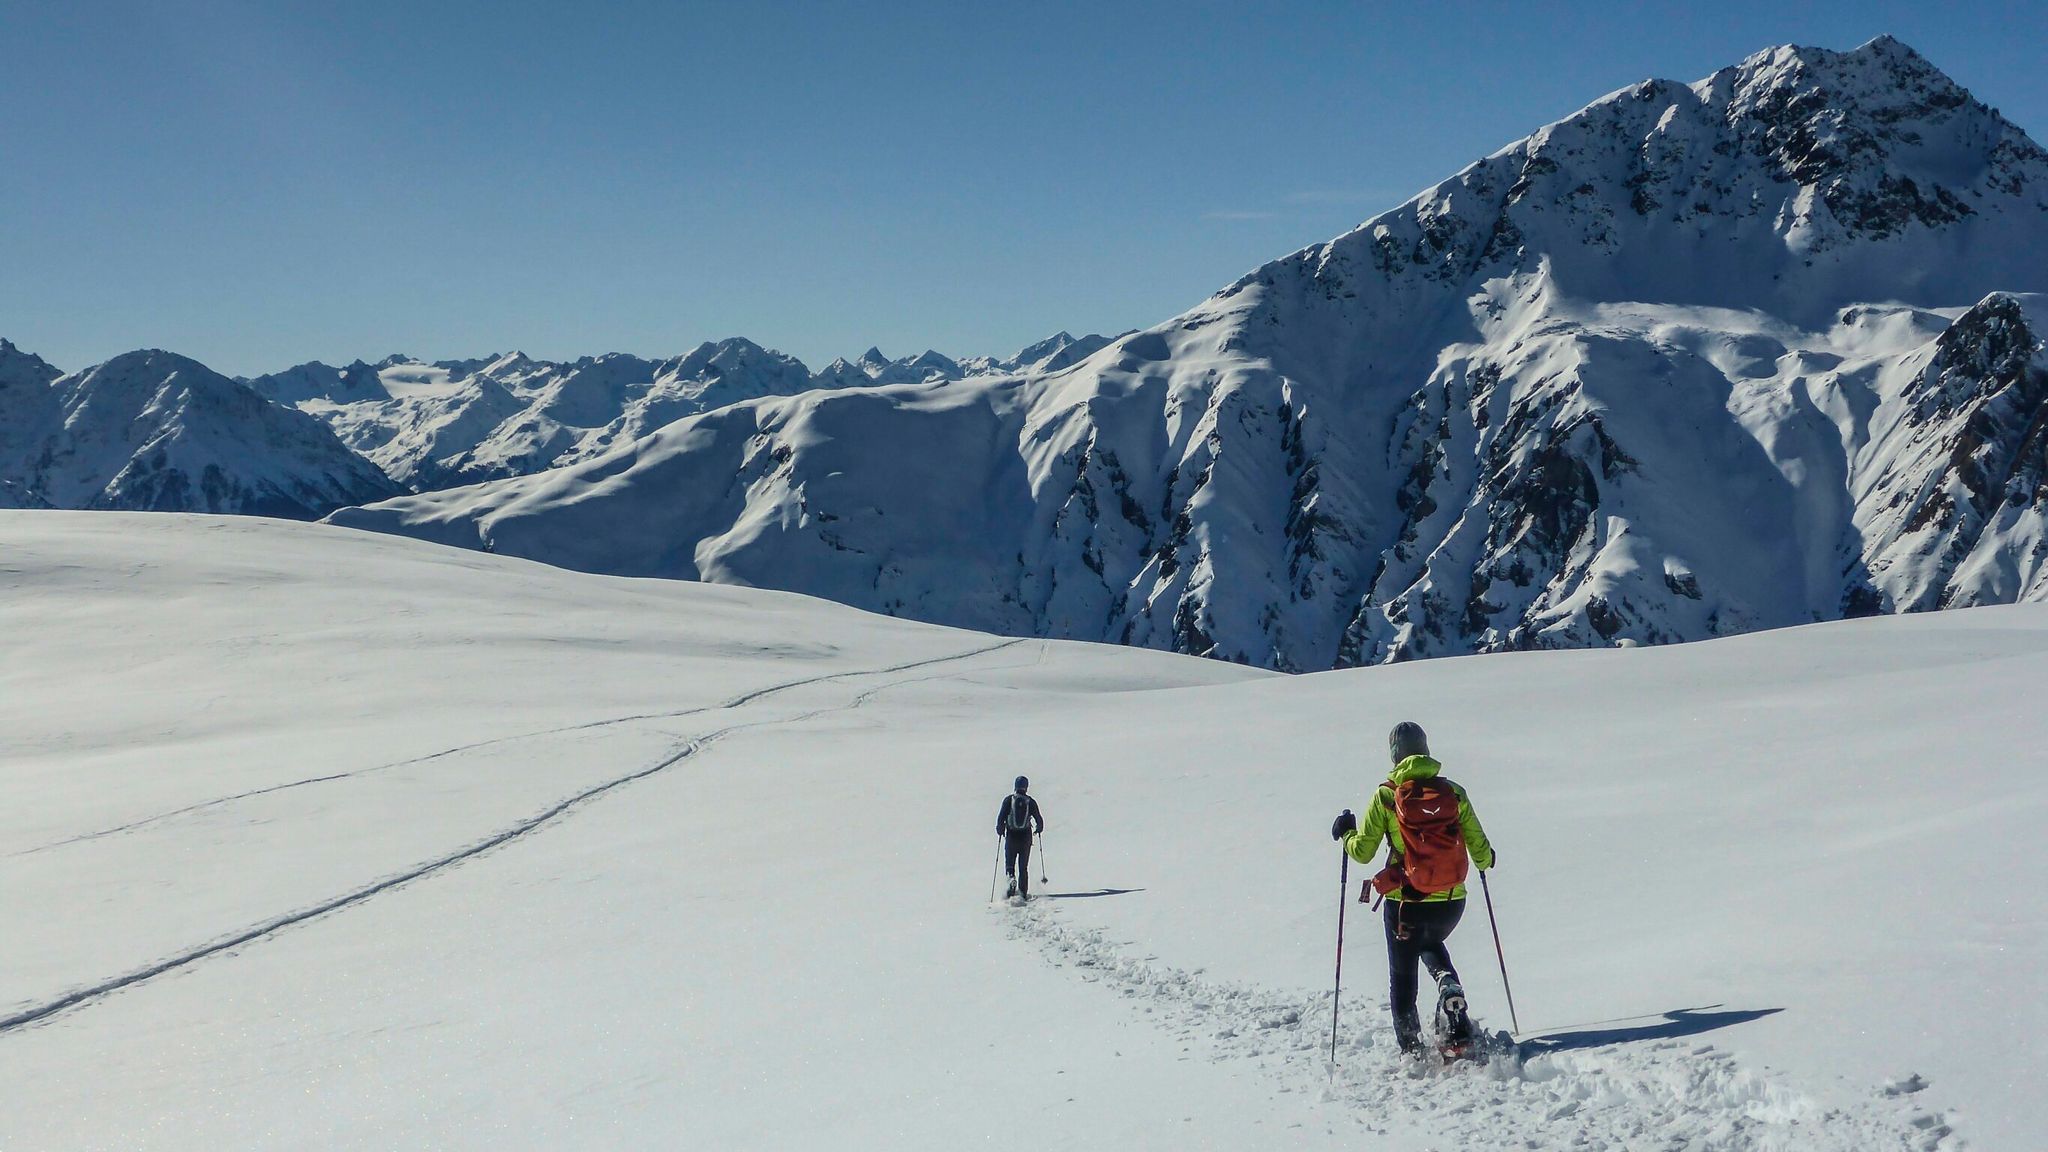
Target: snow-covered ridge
{"type": "Point", "coordinates": [1699, 359]}
{"type": "Point", "coordinates": [93, 439]}
{"type": "Point", "coordinates": [463, 421]}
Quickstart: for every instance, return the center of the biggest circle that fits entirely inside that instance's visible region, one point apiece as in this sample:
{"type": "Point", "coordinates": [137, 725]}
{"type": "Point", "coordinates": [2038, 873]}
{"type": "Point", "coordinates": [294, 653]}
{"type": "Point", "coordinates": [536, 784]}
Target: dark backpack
{"type": "Point", "coordinates": [1433, 857]}
{"type": "Point", "coordinates": [1020, 813]}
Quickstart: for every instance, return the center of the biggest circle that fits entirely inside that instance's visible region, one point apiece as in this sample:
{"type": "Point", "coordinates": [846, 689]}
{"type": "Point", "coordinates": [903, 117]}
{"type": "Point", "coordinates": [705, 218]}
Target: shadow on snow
{"type": "Point", "coordinates": [1671, 1025]}
{"type": "Point", "coordinates": [1089, 895]}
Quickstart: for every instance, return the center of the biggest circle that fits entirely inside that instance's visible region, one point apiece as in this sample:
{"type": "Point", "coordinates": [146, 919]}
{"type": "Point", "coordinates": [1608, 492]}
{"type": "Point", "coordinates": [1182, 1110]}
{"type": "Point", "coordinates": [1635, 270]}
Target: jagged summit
{"type": "Point", "coordinates": [18, 367]}
{"type": "Point", "coordinates": [1800, 180]}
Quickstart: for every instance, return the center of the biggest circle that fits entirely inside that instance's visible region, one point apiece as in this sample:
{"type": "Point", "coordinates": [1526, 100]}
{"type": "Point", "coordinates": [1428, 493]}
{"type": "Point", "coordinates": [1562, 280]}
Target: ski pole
{"type": "Point", "coordinates": [1483, 887]}
{"type": "Point", "coordinates": [1041, 857]}
{"type": "Point", "coordinates": [1337, 991]}
{"type": "Point", "coordinates": [998, 870]}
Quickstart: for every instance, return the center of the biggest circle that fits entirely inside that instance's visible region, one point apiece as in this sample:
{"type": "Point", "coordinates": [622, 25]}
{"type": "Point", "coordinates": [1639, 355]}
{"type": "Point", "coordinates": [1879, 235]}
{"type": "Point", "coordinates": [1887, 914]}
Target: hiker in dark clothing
{"type": "Point", "coordinates": [1431, 834]}
{"type": "Point", "coordinates": [1016, 822]}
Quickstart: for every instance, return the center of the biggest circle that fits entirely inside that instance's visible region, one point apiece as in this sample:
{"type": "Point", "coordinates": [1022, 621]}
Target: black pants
{"type": "Point", "coordinates": [1017, 861]}
{"type": "Point", "coordinates": [1427, 923]}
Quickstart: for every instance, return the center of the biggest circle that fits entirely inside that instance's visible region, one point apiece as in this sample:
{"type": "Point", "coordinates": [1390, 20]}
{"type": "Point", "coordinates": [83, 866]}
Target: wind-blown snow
{"type": "Point", "coordinates": [1697, 360]}
{"type": "Point", "coordinates": [330, 839]}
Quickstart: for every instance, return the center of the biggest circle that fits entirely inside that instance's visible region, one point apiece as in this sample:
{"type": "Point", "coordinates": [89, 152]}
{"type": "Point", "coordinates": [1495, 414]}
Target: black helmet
{"type": "Point", "coordinates": [1407, 739]}
{"type": "Point", "coordinates": [1023, 782]}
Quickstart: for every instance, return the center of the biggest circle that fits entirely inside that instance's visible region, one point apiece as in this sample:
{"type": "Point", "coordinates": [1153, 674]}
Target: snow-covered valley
{"type": "Point", "coordinates": [320, 838]}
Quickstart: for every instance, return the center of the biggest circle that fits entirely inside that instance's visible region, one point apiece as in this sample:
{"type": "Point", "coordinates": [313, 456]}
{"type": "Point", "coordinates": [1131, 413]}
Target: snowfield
{"type": "Point", "coordinates": [318, 838]}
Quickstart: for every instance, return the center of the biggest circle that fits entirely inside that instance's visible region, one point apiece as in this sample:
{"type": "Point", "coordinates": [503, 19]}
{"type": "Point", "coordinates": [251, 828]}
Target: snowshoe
{"type": "Point", "coordinates": [1456, 1038]}
{"type": "Point", "coordinates": [1462, 1051]}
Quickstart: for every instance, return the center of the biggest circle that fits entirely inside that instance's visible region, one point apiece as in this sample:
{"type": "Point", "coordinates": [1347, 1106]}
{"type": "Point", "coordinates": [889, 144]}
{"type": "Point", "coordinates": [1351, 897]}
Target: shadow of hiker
{"type": "Point", "coordinates": [1673, 1024]}
{"type": "Point", "coordinates": [1089, 895]}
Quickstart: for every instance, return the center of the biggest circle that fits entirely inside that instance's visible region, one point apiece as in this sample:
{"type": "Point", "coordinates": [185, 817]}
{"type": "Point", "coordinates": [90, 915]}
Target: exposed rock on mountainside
{"type": "Point", "coordinates": [1696, 360]}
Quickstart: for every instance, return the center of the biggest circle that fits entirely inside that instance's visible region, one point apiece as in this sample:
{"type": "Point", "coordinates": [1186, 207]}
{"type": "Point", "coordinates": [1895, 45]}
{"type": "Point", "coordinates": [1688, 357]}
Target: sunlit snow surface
{"type": "Point", "coordinates": [1779, 891]}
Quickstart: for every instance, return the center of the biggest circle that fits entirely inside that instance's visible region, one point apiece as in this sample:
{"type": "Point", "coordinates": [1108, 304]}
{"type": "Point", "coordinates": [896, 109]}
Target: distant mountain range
{"type": "Point", "coordinates": [1698, 359]}
{"type": "Point", "coordinates": [157, 432]}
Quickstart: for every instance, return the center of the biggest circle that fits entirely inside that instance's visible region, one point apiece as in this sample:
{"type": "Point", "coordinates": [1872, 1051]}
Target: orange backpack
{"type": "Point", "coordinates": [1432, 857]}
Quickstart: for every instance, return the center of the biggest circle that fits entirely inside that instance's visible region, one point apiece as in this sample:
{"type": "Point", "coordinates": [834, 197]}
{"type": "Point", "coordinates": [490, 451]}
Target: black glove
{"type": "Point", "coordinates": [1493, 863]}
{"type": "Point", "coordinates": [1344, 826]}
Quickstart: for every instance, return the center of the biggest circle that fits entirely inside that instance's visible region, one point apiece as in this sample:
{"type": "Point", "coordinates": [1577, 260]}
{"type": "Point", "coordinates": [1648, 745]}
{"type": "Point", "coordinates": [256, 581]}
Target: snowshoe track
{"type": "Point", "coordinates": [739, 701]}
{"type": "Point", "coordinates": [77, 997]}
{"type": "Point", "coordinates": [1666, 1095]}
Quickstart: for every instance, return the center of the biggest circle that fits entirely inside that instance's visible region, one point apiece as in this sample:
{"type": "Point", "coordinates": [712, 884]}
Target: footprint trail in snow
{"type": "Point", "coordinates": [1676, 1095]}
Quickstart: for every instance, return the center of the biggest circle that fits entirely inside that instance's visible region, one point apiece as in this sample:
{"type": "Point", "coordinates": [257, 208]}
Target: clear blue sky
{"type": "Point", "coordinates": [255, 184]}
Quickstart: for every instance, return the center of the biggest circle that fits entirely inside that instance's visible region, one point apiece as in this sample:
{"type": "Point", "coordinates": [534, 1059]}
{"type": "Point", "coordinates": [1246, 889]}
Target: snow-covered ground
{"type": "Point", "coordinates": [317, 838]}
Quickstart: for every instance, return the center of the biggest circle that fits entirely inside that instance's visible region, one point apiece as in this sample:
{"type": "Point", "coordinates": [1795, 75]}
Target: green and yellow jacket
{"type": "Point", "coordinates": [1378, 824]}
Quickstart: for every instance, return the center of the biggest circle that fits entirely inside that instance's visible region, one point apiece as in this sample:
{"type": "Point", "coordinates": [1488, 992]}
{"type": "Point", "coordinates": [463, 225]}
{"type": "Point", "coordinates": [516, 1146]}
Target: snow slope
{"type": "Point", "coordinates": [319, 838]}
{"type": "Point", "coordinates": [1699, 359]}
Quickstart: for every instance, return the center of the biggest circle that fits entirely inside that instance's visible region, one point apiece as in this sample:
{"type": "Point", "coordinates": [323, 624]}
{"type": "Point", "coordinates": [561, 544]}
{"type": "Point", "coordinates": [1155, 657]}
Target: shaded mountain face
{"type": "Point", "coordinates": [150, 431]}
{"type": "Point", "coordinates": [1696, 360]}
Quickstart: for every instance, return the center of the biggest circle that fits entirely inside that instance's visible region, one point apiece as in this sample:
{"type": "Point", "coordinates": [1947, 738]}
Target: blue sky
{"type": "Point", "coordinates": [257, 184]}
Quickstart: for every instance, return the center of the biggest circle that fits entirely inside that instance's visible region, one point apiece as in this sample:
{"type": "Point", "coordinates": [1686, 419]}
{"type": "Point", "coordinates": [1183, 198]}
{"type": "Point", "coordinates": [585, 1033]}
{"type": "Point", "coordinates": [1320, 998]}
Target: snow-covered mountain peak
{"type": "Point", "coordinates": [153, 430]}
{"type": "Point", "coordinates": [20, 369]}
{"type": "Point", "coordinates": [509, 364]}
{"type": "Point", "coordinates": [314, 381]}
{"type": "Point", "coordinates": [1800, 181]}
{"type": "Point", "coordinates": [28, 407]}
{"type": "Point", "coordinates": [1992, 346]}
{"type": "Point", "coordinates": [1879, 84]}
{"type": "Point", "coordinates": [720, 356]}
{"type": "Point", "coordinates": [145, 380]}
{"type": "Point", "coordinates": [1045, 347]}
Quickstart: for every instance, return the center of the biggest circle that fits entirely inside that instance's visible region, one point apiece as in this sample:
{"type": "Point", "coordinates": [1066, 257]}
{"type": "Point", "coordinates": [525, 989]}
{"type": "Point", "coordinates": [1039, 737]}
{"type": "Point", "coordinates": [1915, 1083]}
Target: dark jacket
{"type": "Point", "coordinates": [1031, 817]}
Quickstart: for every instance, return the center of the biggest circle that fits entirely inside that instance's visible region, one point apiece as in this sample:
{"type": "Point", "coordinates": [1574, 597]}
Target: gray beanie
{"type": "Point", "coordinates": [1407, 739]}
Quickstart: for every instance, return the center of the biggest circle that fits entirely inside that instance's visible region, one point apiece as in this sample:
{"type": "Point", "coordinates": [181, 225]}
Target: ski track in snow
{"type": "Point", "coordinates": [81, 996]}
{"type": "Point", "coordinates": [1673, 1095]}
{"type": "Point", "coordinates": [739, 701]}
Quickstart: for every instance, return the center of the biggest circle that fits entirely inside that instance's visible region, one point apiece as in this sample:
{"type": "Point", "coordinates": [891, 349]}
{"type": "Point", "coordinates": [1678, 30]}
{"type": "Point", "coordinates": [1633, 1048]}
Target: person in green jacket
{"type": "Point", "coordinates": [1417, 923]}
